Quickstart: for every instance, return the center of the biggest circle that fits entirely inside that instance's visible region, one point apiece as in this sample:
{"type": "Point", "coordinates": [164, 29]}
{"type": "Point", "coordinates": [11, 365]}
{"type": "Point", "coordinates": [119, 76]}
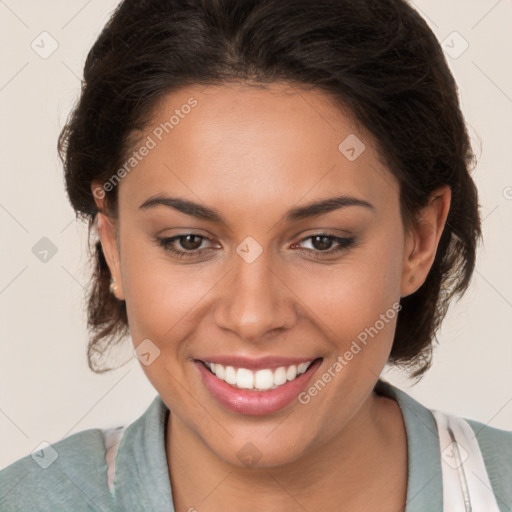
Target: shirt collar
{"type": "Point", "coordinates": [424, 481]}
{"type": "Point", "coordinates": [142, 476]}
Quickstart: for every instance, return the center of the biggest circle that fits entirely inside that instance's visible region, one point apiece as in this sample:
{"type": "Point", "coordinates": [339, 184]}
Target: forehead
{"type": "Point", "coordinates": [253, 146]}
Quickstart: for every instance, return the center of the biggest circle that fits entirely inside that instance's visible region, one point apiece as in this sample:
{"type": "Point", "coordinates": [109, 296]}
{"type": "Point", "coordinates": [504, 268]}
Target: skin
{"type": "Point", "coordinates": [252, 153]}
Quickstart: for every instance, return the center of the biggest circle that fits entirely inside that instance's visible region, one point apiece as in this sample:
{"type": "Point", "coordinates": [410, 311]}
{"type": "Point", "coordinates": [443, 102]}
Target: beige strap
{"type": "Point", "coordinates": [466, 485]}
{"type": "Point", "coordinates": [112, 438]}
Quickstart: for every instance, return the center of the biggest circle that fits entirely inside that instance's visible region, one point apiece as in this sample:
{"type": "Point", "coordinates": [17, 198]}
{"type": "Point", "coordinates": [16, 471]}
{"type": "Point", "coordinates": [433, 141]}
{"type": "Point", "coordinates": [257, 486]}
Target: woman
{"type": "Point", "coordinates": [282, 195]}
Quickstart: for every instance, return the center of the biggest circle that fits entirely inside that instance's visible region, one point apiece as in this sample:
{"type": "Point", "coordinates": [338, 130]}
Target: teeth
{"type": "Point", "coordinates": [244, 378]}
{"type": "Point", "coordinates": [230, 375]}
{"type": "Point", "coordinates": [302, 367]}
{"type": "Point", "coordinates": [291, 373]}
{"type": "Point", "coordinates": [260, 380]}
{"type": "Point", "coordinates": [280, 376]}
{"type": "Point", "coordinates": [263, 379]}
{"type": "Point", "coordinates": [220, 371]}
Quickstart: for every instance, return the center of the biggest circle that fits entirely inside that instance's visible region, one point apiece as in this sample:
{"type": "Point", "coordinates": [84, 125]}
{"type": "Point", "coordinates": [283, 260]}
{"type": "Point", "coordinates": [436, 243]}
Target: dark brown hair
{"type": "Point", "coordinates": [378, 58]}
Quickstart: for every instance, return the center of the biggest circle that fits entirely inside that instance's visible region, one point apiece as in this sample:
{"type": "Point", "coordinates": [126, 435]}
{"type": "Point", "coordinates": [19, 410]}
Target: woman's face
{"type": "Point", "coordinates": [257, 281]}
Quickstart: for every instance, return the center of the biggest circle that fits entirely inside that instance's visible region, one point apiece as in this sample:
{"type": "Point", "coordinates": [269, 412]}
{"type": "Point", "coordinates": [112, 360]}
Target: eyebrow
{"type": "Point", "coordinates": [310, 210]}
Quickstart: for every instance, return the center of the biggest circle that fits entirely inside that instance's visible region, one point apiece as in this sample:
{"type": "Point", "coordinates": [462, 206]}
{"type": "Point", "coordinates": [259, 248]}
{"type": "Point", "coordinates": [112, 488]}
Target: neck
{"type": "Point", "coordinates": [352, 470]}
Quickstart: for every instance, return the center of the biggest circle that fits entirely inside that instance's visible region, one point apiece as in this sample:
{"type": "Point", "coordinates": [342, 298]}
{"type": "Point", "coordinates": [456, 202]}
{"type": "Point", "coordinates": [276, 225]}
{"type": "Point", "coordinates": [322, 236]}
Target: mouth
{"type": "Point", "coordinates": [256, 392]}
{"type": "Point", "coordinates": [257, 380]}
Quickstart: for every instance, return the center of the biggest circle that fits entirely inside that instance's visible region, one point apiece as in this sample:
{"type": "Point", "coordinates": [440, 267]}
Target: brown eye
{"type": "Point", "coordinates": [189, 245]}
{"type": "Point", "coordinates": [191, 242]}
{"type": "Point", "coordinates": [321, 244]}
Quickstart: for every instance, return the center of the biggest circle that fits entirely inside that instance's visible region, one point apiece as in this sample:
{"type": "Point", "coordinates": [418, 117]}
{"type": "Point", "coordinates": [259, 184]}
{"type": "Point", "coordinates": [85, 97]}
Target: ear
{"type": "Point", "coordinates": [107, 229]}
{"type": "Point", "coordinates": [422, 240]}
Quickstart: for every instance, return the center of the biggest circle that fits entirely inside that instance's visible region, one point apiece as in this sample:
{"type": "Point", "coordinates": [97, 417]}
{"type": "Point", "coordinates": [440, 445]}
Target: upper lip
{"type": "Point", "coordinates": [271, 362]}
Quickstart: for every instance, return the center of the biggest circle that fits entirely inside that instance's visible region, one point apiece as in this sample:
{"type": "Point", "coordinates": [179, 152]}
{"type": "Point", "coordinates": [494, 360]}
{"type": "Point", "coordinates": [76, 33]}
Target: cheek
{"type": "Point", "coordinates": [159, 294]}
{"type": "Point", "coordinates": [162, 301]}
{"type": "Point", "coordinates": [357, 290]}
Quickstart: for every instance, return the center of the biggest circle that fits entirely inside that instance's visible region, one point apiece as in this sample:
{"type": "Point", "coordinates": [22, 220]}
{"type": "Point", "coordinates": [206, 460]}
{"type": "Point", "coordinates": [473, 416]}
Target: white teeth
{"type": "Point", "coordinates": [244, 378]}
{"type": "Point", "coordinates": [259, 380]}
{"type": "Point", "coordinates": [220, 371]}
{"type": "Point", "coordinates": [230, 375]}
{"type": "Point", "coordinates": [291, 373]}
{"type": "Point", "coordinates": [302, 367]}
{"type": "Point", "coordinates": [280, 376]}
{"type": "Point", "coordinates": [263, 379]}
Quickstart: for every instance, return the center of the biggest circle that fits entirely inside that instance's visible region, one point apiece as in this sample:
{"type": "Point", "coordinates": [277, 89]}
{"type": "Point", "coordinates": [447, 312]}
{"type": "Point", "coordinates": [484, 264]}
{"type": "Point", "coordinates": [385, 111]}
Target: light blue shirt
{"type": "Point", "coordinates": [77, 479]}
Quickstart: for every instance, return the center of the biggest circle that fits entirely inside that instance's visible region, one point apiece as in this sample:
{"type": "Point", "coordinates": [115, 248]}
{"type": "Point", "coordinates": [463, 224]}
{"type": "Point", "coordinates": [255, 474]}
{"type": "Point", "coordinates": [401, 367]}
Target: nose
{"type": "Point", "coordinates": [255, 300]}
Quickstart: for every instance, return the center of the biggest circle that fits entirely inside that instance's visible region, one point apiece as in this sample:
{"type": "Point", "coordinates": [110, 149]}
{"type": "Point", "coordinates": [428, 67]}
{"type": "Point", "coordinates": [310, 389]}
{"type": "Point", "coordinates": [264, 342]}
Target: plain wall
{"type": "Point", "coordinates": [47, 391]}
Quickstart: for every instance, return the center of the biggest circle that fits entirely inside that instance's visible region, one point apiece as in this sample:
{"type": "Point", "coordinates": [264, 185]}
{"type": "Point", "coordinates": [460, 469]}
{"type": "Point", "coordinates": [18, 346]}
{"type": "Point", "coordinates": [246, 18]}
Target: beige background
{"type": "Point", "coordinates": [46, 389]}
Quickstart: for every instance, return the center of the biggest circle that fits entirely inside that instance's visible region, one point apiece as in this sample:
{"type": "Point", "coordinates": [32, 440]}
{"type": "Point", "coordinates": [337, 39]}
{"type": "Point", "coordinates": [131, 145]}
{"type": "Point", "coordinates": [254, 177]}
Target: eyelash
{"type": "Point", "coordinates": [343, 244]}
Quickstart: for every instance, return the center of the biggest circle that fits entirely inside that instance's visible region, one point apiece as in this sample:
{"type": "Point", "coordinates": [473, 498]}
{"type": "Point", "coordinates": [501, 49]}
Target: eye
{"type": "Point", "coordinates": [322, 244]}
{"type": "Point", "coordinates": [191, 243]}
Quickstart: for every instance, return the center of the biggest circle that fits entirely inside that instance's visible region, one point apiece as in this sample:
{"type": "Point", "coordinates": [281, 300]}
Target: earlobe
{"type": "Point", "coordinates": [423, 239]}
{"type": "Point", "coordinates": [107, 233]}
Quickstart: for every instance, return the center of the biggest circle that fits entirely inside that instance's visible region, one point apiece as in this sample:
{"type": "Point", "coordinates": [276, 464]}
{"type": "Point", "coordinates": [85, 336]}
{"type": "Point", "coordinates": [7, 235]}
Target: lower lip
{"type": "Point", "coordinates": [255, 403]}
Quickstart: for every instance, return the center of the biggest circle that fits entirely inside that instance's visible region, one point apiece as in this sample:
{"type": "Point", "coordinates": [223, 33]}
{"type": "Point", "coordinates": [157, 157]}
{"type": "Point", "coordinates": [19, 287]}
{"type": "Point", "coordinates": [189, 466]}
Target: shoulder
{"type": "Point", "coordinates": [494, 441]}
{"type": "Point", "coordinates": [67, 475]}
{"type": "Point", "coordinates": [426, 436]}
{"type": "Point", "coordinates": [78, 473]}
{"type": "Point", "coordinates": [484, 451]}
{"type": "Point", "coordinates": [496, 447]}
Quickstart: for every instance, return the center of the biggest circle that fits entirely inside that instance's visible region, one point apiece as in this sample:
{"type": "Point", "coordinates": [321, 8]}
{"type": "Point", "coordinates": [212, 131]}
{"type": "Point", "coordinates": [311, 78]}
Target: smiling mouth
{"type": "Point", "coordinates": [259, 380]}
